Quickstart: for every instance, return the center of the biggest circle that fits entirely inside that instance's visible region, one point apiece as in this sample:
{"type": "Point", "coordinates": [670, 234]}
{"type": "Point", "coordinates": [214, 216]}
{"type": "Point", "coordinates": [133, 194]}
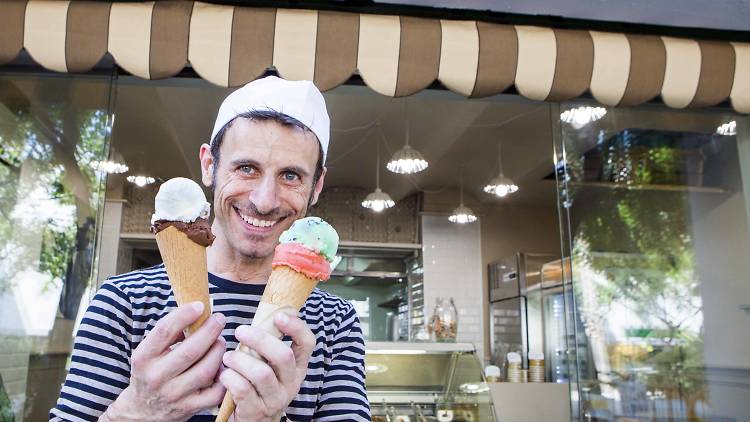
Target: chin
{"type": "Point", "coordinates": [257, 251]}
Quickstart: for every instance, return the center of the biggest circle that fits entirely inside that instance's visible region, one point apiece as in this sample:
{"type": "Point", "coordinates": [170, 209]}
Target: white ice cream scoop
{"type": "Point", "coordinates": [180, 199]}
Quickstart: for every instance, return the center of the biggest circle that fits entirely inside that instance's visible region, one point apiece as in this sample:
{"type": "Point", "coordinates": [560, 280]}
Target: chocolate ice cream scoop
{"type": "Point", "coordinates": [198, 231]}
{"type": "Point", "coordinates": [180, 203]}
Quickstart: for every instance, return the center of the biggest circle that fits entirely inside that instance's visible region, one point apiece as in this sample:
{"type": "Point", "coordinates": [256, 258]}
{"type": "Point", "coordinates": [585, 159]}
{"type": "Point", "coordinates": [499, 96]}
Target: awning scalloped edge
{"type": "Point", "coordinates": [395, 55]}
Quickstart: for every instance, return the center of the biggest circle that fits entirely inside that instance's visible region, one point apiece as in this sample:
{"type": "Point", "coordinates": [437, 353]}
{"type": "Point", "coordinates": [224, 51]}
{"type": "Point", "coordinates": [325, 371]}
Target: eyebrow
{"type": "Point", "coordinates": [250, 162]}
{"type": "Point", "coordinates": [244, 162]}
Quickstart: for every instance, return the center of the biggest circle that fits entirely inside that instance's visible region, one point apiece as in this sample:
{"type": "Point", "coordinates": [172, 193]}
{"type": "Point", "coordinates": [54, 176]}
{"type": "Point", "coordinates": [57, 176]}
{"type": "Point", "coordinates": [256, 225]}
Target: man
{"type": "Point", "coordinates": [130, 362]}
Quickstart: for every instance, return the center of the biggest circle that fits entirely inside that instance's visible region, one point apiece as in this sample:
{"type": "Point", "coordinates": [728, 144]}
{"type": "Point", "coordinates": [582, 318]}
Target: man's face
{"type": "Point", "coordinates": [263, 182]}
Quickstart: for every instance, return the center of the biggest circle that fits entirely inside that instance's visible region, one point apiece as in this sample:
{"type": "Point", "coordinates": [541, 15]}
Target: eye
{"type": "Point", "coordinates": [290, 176]}
{"type": "Point", "coordinates": [247, 169]}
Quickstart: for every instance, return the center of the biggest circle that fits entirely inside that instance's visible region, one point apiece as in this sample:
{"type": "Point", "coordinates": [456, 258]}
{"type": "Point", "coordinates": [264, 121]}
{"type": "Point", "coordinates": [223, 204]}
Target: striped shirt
{"type": "Point", "coordinates": [128, 306]}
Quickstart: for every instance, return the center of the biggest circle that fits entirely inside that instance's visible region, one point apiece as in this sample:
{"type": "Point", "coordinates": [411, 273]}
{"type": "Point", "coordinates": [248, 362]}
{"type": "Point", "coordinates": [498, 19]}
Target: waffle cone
{"type": "Point", "coordinates": [185, 262]}
{"type": "Point", "coordinates": [287, 287]}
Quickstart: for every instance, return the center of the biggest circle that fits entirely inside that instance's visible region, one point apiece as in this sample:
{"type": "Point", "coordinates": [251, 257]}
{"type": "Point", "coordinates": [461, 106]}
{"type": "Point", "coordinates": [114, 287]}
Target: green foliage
{"type": "Point", "coordinates": [645, 252]}
{"type": "Point", "coordinates": [639, 241]}
{"type": "Point", "coordinates": [6, 410]}
{"type": "Point", "coordinates": [57, 247]}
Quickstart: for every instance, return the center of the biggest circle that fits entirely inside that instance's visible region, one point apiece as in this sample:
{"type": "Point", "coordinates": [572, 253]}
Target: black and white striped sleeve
{"type": "Point", "coordinates": [100, 362]}
{"type": "Point", "coordinates": [343, 395]}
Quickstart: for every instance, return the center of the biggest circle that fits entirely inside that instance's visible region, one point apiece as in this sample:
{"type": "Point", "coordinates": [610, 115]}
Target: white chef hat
{"type": "Point", "coordinates": [298, 99]}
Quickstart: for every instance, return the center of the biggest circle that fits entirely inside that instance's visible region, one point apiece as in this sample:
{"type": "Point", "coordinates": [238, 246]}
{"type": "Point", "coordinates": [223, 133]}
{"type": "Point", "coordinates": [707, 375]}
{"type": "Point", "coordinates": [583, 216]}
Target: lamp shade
{"type": "Point", "coordinates": [727, 129]}
{"type": "Point", "coordinates": [581, 116]}
{"type": "Point", "coordinates": [462, 215]}
{"type": "Point", "coordinates": [141, 181]}
{"type": "Point", "coordinates": [114, 165]}
{"type": "Point", "coordinates": [407, 160]}
{"type": "Point", "coordinates": [109, 166]}
{"type": "Point", "coordinates": [501, 186]}
{"type": "Point", "coordinates": [378, 201]}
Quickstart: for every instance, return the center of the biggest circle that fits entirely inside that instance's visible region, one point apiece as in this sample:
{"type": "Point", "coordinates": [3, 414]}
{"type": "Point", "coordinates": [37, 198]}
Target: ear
{"type": "Point", "coordinates": [207, 165]}
{"type": "Point", "coordinates": [318, 187]}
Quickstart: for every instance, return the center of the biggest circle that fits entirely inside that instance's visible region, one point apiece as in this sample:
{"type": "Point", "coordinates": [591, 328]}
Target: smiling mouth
{"type": "Point", "coordinates": [256, 222]}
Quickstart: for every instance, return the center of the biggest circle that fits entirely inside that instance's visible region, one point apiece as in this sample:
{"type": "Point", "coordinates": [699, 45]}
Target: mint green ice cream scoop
{"type": "Point", "coordinates": [315, 234]}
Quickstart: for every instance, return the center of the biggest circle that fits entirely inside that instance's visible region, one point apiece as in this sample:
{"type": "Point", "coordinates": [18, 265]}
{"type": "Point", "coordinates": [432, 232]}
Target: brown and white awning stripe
{"type": "Point", "coordinates": [394, 55]}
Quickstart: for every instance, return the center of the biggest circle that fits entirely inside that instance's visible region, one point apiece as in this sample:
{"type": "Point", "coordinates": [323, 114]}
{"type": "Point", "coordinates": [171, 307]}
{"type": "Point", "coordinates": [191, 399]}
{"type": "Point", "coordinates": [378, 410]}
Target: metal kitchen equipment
{"type": "Point", "coordinates": [418, 379]}
{"type": "Point", "coordinates": [515, 309]}
{"type": "Point", "coordinates": [539, 317]}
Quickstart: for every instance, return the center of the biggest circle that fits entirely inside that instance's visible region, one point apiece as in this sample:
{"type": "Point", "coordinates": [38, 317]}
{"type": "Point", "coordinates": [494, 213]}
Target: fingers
{"type": "Point", "coordinates": [193, 348]}
{"type": "Point", "coordinates": [169, 329]}
{"type": "Point", "coordinates": [303, 340]}
{"type": "Point", "coordinates": [206, 397]}
{"type": "Point", "coordinates": [262, 377]}
{"type": "Point", "coordinates": [202, 374]}
{"type": "Point", "coordinates": [279, 356]}
{"type": "Point", "coordinates": [242, 390]}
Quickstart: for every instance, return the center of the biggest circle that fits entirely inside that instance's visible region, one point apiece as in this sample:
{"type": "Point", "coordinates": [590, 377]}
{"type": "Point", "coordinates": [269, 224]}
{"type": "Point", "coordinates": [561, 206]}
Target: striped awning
{"type": "Point", "coordinates": [394, 55]}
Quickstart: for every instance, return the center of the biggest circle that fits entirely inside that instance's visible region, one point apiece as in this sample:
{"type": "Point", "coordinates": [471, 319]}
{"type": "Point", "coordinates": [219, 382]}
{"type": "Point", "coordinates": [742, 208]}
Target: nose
{"type": "Point", "coordinates": [265, 195]}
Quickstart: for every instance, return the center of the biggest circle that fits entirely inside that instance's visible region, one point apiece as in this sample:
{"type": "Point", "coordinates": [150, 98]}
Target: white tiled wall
{"type": "Point", "coordinates": [453, 268]}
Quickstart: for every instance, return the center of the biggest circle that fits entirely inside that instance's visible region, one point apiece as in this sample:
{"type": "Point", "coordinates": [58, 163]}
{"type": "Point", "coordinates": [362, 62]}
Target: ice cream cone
{"type": "Point", "coordinates": [304, 256]}
{"type": "Point", "coordinates": [286, 291]}
{"type": "Point", "coordinates": [185, 262]}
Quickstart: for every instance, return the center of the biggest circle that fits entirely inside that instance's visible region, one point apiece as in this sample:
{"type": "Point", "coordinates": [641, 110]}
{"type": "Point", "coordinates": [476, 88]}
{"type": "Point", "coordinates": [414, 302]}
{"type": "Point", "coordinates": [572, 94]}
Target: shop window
{"type": "Point", "coordinates": [659, 247]}
{"type": "Point", "coordinates": [53, 132]}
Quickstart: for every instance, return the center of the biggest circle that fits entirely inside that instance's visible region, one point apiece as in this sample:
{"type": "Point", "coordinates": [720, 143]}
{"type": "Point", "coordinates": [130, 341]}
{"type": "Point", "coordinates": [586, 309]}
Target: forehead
{"type": "Point", "coordinates": [269, 142]}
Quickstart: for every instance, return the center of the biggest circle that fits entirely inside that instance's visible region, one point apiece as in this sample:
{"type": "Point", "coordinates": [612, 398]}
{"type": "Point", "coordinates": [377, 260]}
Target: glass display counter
{"type": "Point", "coordinates": [419, 382]}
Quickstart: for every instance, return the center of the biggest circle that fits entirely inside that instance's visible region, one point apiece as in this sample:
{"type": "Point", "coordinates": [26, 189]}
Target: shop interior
{"type": "Point", "coordinates": [463, 141]}
{"type": "Point", "coordinates": [618, 257]}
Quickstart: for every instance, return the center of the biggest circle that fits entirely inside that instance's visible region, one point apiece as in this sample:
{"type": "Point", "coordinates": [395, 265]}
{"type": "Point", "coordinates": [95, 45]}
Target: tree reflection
{"type": "Point", "coordinates": [60, 199]}
{"type": "Point", "coordinates": [636, 286]}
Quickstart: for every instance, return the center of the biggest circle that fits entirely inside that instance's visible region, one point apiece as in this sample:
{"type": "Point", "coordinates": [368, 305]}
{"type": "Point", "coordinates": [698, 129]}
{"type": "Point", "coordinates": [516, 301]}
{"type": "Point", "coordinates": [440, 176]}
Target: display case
{"type": "Point", "coordinates": [420, 382]}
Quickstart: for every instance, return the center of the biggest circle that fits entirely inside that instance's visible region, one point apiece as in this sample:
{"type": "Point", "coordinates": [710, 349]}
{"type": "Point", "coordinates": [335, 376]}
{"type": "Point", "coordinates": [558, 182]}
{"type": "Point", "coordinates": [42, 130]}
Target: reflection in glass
{"type": "Point", "coordinates": [376, 285]}
{"type": "Point", "coordinates": [658, 231]}
{"type": "Point", "coordinates": [52, 131]}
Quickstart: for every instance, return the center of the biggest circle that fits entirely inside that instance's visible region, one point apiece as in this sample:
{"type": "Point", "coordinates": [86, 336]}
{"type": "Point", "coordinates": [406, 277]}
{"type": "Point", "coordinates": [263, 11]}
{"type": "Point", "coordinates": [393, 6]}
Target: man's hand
{"type": "Point", "coordinates": [263, 389]}
{"type": "Point", "coordinates": [173, 383]}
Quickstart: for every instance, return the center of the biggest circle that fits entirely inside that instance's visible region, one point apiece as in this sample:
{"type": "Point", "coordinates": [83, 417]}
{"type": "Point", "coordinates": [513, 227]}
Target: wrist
{"type": "Point", "coordinates": [117, 410]}
{"type": "Point", "coordinates": [107, 415]}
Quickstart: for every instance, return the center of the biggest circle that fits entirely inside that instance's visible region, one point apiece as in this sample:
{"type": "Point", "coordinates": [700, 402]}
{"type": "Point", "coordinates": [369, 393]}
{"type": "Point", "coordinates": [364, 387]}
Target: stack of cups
{"type": "Point", "coordinates": [492, 373]}
{"type": "Point", "coordinates": [536, 367]}
{"type": "Point", "coordinates": [514, 367]}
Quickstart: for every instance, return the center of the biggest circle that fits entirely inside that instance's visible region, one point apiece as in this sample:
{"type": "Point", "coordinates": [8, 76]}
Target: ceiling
{"type": "Point", "coordinates": [160, 125]}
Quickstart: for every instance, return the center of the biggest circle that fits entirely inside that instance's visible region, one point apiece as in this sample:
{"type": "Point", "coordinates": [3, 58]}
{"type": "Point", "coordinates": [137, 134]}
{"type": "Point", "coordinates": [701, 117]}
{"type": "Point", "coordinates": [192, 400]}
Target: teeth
{"type": "Point", "coordinates": [256, 222]}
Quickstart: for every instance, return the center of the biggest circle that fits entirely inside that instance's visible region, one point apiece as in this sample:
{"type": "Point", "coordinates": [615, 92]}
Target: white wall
{"type": "Point", "coordinates": [453, 268]}
{"type": "Point", "coordinates": [109, 239]}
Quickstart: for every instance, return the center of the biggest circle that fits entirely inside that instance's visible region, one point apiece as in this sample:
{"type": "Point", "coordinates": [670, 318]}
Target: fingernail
{"type": "Point", "coordinates": [282, 317]}
{"type": "Point", "coordinates": [220, 318]}
{"type": "Point", "coordinates": [225, 358]}
{"type": "Point", "coordinates": [198, 306]}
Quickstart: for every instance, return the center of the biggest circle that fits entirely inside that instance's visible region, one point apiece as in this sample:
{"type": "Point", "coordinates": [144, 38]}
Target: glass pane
{"type": "Point", "coordinates": [655, 204]}
{"type": "Point", "coordinates": [52, 131]}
